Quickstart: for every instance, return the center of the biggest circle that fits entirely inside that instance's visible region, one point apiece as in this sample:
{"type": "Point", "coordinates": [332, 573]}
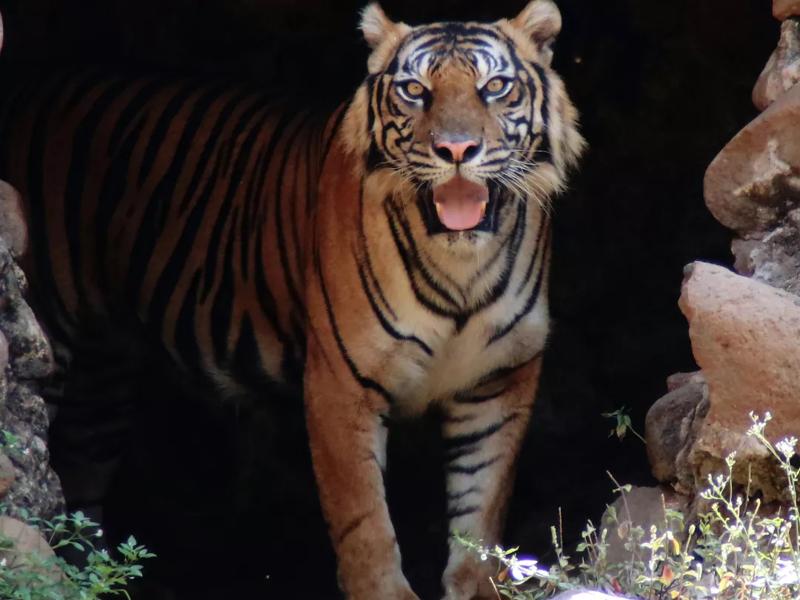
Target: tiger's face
{"type": "Point", "coordinates": [466, 115]}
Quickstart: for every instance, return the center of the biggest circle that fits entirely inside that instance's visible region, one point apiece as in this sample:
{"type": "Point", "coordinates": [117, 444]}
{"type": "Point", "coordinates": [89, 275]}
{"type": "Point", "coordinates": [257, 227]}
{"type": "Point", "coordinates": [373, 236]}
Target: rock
{"type": "Point", "coordinates": [640, 507]}
{"type": "Point", "coordinates": [782, 9]}
{"type": "Point", "coordinates": [6, 474]}
{"type": "Point", "coordinates": [26, 356]}
{"type": "Point", "coordinates": [27, 541]}
{"type": "Point", "coordinates": [775, 257]}
{"type": "Point", "coordinates": [782, 70]}
{"type": "Point", "coordinates": [753, 182]}
{"type": "Point", "coordinates": [671, 428]}
{"type": "Point", "coordinates": [31, 356]}
{"type": "Point", "coordinates": [25, 538]}
{"type": "Point", "coordinates": [677, 380]}
{"type": "Point", "coordinates": [3, 354]}
{"type": "Point", "coordinates": [13, 228]}
{"type": "Point", "coordinates": [744, 337]}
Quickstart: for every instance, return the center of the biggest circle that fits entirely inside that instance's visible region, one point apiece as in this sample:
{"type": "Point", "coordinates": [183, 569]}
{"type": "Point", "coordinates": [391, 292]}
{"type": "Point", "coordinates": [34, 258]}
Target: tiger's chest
{"type": "Point", "coordinates": [459, 358]}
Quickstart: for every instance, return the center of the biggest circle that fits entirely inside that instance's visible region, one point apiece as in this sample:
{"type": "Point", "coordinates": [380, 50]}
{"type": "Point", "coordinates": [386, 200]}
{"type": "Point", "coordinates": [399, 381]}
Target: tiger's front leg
{"type": "Point", "coordinates": [348, 450]}
{"type": "Point", "coordinates": [482, 434]}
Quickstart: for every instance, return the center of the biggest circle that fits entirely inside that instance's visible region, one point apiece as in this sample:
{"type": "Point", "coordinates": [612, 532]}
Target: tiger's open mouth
{"type": "Point", "coordinates": [460, 205]}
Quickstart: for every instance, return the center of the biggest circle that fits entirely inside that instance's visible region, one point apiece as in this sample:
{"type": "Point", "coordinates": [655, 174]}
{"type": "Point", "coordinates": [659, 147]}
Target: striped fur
{"type": "Point", "coordinates": [263, 245]}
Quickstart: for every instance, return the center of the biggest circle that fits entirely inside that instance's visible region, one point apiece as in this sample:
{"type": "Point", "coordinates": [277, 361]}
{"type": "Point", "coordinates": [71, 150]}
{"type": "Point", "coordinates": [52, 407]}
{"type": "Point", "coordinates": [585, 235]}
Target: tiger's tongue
{"type": "Point", "coordinates": [460, 203]}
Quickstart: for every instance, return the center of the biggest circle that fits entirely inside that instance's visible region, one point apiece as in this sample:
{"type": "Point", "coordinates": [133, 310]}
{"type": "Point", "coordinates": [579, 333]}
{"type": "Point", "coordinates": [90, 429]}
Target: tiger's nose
{"type": "Point", "coordinates": [456, 151]}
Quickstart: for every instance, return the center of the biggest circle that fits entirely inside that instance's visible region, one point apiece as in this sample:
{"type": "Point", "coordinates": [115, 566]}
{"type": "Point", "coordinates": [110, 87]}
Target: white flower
{"type": "Point", "coordinates": [524, 568]}
{"type": "Point", "coordinates": [786, 447]}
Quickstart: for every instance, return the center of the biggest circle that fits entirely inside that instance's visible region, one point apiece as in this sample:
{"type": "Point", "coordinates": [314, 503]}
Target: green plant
{"type": "Point", "coordinates": [734, 550]}
{"type": "Point", "coordinates": [622, 424]}
{"type": "Point", "coordinates": [33, 576]}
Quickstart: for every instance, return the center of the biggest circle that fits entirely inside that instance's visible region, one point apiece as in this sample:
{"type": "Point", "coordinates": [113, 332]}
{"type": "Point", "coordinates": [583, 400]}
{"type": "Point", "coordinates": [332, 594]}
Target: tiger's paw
{"type": "Point", "coordinates": [469, 580]}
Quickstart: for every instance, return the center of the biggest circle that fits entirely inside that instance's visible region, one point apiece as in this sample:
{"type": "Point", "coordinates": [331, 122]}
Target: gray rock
{"type": "Point", "coordinates": [671, 426]}
{"type": "Point", "coordinates": [25, 356]}
{"type": "Point", "coordinates": [774, 257]}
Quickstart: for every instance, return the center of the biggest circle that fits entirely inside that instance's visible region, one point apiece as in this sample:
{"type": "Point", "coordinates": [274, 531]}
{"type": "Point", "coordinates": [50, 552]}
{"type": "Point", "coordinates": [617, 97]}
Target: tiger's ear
{"type": "Point", "coordinates": [540, 21]}
{"type": "Point", "coordinates": [382, 34]}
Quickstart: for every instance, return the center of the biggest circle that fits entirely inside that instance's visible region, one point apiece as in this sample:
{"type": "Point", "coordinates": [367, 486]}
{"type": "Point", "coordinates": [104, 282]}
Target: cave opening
{"type": "Point", "coordinates": [225, 494]}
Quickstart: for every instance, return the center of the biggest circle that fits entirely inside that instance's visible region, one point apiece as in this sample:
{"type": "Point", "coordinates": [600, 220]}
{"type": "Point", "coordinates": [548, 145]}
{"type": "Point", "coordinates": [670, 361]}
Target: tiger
{"type": "Point", "coordinates": [385, 259]}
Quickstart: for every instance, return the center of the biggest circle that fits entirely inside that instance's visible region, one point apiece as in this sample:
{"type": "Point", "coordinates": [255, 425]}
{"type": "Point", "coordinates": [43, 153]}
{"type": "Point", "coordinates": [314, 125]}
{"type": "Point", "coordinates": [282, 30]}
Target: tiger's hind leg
{"type": "Point", "coordinates": [94, 399]}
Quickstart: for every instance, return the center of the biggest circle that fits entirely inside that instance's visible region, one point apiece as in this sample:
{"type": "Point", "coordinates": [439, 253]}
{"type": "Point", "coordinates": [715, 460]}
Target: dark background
{"type": "Point", "coordinates": [224, 495]}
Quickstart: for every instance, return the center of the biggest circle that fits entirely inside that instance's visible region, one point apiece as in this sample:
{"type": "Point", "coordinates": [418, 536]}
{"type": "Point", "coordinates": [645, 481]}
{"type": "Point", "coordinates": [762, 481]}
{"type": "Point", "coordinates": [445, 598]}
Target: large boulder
{"type": "Point", "coordinates": [753, 182]}
{"type": "Point", "coordinates": [744, 336]}
{"type": "Point", "coordinates": [782, 70]}
{"type": "Point", "coordinates": [783, 9]}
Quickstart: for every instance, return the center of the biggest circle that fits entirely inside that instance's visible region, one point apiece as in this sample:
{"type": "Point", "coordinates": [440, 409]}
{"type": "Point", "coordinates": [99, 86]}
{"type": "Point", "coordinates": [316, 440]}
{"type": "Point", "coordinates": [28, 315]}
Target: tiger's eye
{"type": "Point", "coordinates": [414, 88]}
{"type": "Point", "coordinates": [495, 85]}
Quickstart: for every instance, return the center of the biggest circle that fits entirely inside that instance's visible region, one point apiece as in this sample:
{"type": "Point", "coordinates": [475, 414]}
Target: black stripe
{"type": "Point", "coordinates": [254, 123]}
{"type": "Point", "coordinates": [365, 382]}
{"type": "Point", "coordinates": [529, 304]}
{"type": "Point", "coordinates": [467, 439]}
{"type": "Point", "coordinates": [113, 190]}
{"type": "Point", "coordinates": [165, 286]}
{"type": "Point", "coordinates": [452, 496]}
{"type": "Point", "coordinates": [222, 306]}
{"type": "Point", "coordinates": [126, 116]}
{"type": "Point", "coordinates": [185, 331]}
{"type": "Point", "coordinates": [352, 526]}
{"type": "Point", "coordinates": [543, 225]}
{"type": "Point", "coordinates": [471, 469]}
{"type": "Point", "coordinates": [462, 511]}
{"type": "Point", "coordinates": [48, 290]}
{"type": "Point", "coordinates": [456, 453]}
{"type": "Point", "coordinates": [167, 117]}
{"type": "Point", "coordinates": [402, 236]}
{"type": "Point", "coordinates": [80, 164]}
{"type": "Point", "coordinates": [462, 399]}
{"type": "Point", "coordinates": [213, 144]}
{"type": "Point", "coordinates": [387, 327]}
{"type": "Point", "coordinates": [288, 279]}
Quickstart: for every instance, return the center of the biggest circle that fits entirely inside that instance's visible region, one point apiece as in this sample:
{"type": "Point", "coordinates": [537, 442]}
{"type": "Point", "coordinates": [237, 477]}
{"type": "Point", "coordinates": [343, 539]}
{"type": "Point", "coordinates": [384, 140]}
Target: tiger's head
{"type": "Point", "coordinates": [469, 116]}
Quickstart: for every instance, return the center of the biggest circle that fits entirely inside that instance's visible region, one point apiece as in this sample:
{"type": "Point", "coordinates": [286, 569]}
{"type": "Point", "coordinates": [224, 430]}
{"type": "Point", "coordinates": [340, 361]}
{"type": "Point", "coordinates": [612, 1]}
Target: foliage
{"type": "Point", "coordinates": [36, 577]}
{"type": "Point", "coordinates": [622, 424]}
{"type": "Point", "coordinates": [734, 549]}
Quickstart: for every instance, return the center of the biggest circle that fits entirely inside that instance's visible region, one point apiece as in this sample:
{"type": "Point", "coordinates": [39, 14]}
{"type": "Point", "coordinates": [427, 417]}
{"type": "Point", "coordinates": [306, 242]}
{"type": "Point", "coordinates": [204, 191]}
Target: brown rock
{"type": "Point", "coordinates": [754, 180]}
{"type": "Point", "coordinates": [25, 540]}
{"type": "Point", "coordinates": [782, 70]}
{"type": "Point", "coordinates": [782, 9]}
{"type": "Point", "coordinates": [744, 337]}
{"type": "Point", "coordinates": [7, 474]}
{"type": "Point", "coordinates": [13, 229]}
{"type": "Point", "coordinates": [670, 430]}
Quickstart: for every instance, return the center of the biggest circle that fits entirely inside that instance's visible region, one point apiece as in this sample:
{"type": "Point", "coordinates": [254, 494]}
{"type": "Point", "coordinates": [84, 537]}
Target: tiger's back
{"type": "Point", "coordinates": [181, 204]}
